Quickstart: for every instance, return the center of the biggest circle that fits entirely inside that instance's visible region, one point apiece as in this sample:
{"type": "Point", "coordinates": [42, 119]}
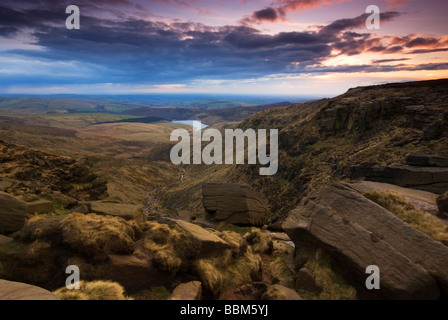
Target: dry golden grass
{"type": "Point", "coordinates": [406, 211]}
{"type": "Point", "coordinates": [98, 236]}
{"type": "Point", "coordinates": [261, 242]}
{"type": "Point", "coordinates": [95, 290]}
{"type": "Point", "coordinates": [217, 274]}
{"type": "Point", "coordinates": [332, 286]}
{"type": "Point", "coordinates": [280, 271]}
{"type": "Point", "coordinates": [174, 251]}
{"type": "Point", "coordinates": [40, 227]}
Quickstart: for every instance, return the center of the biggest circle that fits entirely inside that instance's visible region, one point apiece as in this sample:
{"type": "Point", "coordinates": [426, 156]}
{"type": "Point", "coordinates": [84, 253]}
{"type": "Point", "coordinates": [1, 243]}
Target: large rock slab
{"type": "Point", "coordinates": [206, 242]}
{"type": "Point", "coordinates": [422, 200]}
{"type": "Point", "coordinates": [135, 273]}
{"type": "Point", "coordinates": [125, 211]}
{"type": "Point", "coordinates": [187, 291]}
{"type": "Point", "coordinates": [432, 179]}
{"type": "Point", "coordinates": [426, 160]}
{"type": "Point", "coordinates": [10, 290]}
{"type": "Point", "coordinates": [40, 206]}
{"type": "Point", "coordinates": [234, 203]}
{"type": "Point", "coordinates": [13, 213]}
{"type": "Point", "coordinates": [357, 233]}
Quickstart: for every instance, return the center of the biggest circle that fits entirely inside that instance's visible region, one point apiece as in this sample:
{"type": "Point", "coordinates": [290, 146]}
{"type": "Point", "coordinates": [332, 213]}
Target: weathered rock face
{"type": "Point", "coordinates": [234, 203]}
{"type": "Point", "coordinates": [20, 291]}
{"type": "Point", "coordinates": [357, 233]}
{"type": "Point", "coordinates": [305, 280]}
{"type": "Point", "coordinates": [125, 211]}
{"type": "Point", "coordinates": [432, 179]}
{"type": "Point", "coordinates": [187, 291]}
{"type": "Point", "coordinates": [442, 204]}
{"type": "Point", "coordinates": [426, 160]}
{"type": "Point", "coordinates": [12, 213]}
{"type": "Point", "coordinates": [135, 273]}
{"type": "Point", "coordinates": [206, 242]}
{"type": "Point", "coordinates": [40, 206]}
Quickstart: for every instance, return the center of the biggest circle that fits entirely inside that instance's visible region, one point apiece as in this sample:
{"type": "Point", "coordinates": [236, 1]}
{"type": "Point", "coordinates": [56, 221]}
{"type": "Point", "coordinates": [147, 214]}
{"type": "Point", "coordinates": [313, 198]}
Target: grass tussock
{"type": "Point", "coordinates": [280, 271]}
{"type": "Point", "coordinates": [217, 274]}
{"type": "Point", "coordinates": [95, 290]}
{"type": "Point", "coordinates": [97, 236]}
{"type": "Point", "coordinates": [332, 285]}
{"type": "Point", "coordinates": [90, 235]}
{"type": "Point", "coordinates": [165, 243]}
{"type": "Point", "coordinates": [41, 227]}
{"type": "Point", "coordinates": [261, 242]}
{"type": "Point", "coordinates": [406, 211]}
{"type": "Point", "coordinates": [174, 251]}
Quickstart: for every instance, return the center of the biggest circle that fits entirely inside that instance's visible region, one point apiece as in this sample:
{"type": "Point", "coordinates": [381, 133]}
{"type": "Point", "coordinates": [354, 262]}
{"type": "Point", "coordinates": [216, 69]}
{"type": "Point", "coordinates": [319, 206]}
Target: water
{"type": "Point", "coordinates": [197, 125]}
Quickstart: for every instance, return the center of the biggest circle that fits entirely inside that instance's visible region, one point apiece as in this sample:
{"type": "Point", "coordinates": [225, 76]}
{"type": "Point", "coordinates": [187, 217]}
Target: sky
{"type": "Point", "coordinates": [265, 47]}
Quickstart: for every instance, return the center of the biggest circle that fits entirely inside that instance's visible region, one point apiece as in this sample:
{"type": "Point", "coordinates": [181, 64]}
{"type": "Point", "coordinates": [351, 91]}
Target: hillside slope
{"type": "Point", "coordinates": [321, 141]}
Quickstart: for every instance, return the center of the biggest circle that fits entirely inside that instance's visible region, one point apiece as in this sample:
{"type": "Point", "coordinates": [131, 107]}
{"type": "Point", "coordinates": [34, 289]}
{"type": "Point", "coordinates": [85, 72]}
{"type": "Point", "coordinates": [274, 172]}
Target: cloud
{"type": "Point", "coordinates": [389, 60]}
{"type": "Point", "coordinates": [120, 48]}
{"type": "Point", "coordinates": [280, 8]}
{"type": "Point", "coordinates": [269, 14]}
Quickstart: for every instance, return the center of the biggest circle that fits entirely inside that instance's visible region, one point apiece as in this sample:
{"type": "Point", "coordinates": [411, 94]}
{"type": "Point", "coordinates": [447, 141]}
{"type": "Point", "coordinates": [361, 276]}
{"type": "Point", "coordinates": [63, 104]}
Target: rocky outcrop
{"type": "Point", "coordinates": [10, 290]}
{"type": "Point", "coordinates": [426, 160]}
{"type": "Point", "coordinates": [135, 273]}
{"type": "Point", "coordinates": [442, 204]}
{"type": "Point", "coordinates": [234, 203]}
{"type": "Point", "coordinates": [125, 211]}
{"type": "Point", "coordinates": [139, 256]}
{"type": "Point", "coordinates": [40, 206]}
{"type": "Point", "coordinates": [358, 233]}
{"type": "Point", "coordinates": [13, 213]}
{"type": "Point", "coordinates": [187, 291]}
{"type": "Point", "coordinates": [422, 200]}
{"type": "Point", "coordinates": [205, 242]}
{"type": "Point", "coordinates": [432, 179]}
{"type": "Point", "coordinates": [305, 280]}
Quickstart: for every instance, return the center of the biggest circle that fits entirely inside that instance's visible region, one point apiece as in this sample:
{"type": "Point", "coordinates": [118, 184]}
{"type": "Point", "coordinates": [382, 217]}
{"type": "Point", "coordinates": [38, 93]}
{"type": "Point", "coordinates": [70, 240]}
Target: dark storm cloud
{"type": "Point", "coordinates": [128, 49]}
{"type": "Point", "coordinates": [270, 14]}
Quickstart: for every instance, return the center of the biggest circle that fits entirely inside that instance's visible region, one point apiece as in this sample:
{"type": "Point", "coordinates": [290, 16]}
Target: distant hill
{"type": "Point", "coordinates": [209, 117]}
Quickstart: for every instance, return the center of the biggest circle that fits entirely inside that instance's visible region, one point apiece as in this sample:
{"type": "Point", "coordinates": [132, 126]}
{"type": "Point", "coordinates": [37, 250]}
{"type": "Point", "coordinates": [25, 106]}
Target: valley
{"type": "Point", "coordinates": [94, 187]}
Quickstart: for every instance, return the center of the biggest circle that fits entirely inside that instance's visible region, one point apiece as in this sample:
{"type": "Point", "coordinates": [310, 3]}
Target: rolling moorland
{"type": "Point", "coordinates": [362, 180]}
